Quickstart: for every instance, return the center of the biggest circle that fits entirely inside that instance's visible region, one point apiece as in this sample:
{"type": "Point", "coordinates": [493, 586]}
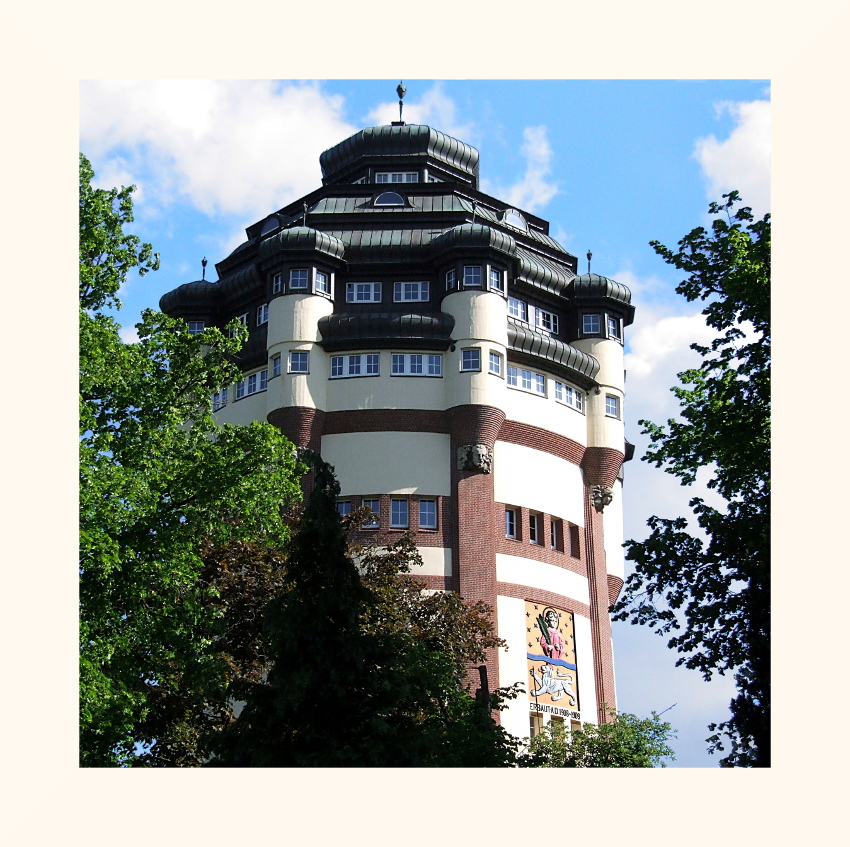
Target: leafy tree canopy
{"type": "Point", "coordinates": [625, 741]}
{"type": "Point", "coordinates": [715, 595]}
{"type": "Point", "coordinates": [157, 477]}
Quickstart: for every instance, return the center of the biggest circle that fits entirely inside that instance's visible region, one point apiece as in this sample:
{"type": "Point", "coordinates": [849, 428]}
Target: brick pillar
{"type": "Point", "coordinates": [303, 426]}
{"type": "Point", "coordinates": [473, 549]}
{"type": "Point", "coordinates": [600, 466]}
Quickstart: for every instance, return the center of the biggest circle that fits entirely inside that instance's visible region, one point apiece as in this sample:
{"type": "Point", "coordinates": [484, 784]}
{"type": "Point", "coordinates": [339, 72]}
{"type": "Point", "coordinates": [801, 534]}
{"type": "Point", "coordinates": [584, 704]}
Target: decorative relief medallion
{"type": "Point", "coordinates": [475, 457]}
{"type": "Point", "coordinates": [601, 496]}
{"type": "Point", "coordinates": [551, 657]}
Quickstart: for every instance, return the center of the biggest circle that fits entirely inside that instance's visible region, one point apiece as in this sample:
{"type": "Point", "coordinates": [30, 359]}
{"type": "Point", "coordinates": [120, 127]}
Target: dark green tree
{"type": "Point", "coordinates": [625, 741]}
{"type": "Point", "coordinates": [157, 479]}
{"type": "Point", "coordinates": [715, 594]}
{"type": "Point", "coordinates": [365, 670]}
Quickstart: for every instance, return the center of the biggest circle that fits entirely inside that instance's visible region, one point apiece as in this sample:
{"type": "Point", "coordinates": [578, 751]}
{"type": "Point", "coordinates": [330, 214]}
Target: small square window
{"type": "Point", "coordinates": [373, 521]}
{"type": "Point", "coordinates": [472, 276]}
{"type": "Point", "coordinates": [590, 324]}
{"type": "Point", "coordinates": [496, 282]}
{"type": "Point", "coordinates": [322, 283]}
{"type": "Point", "coordinates": [343, 508]}
{"type": "Point", "coordinates": [399, 514]}
{"type": "Point", "coordinates": [196, 327]}
{"type": "Point", "coordinates": [510, 523]}
{"type": "Point", "coordinates": [495, 363]}
{"type": "Point", "coordinates": [470, 360]}
{"type": "Point", "coordinates": [262, 314]}
{"type": "Point", "coordinates": [277, 283]}
{"type": "Point", "coordinates": [299, 279]}
{"type": "Point", "coordinates": [428, 514]}
{"type": "Point", "coordinates": [276, 366]}
{"type": "Point", "coordinates": [612, 406]}
{"type": "Point", "coordinates": [451, 279]}
{"type": "Point", "coordinates": [299, 362]}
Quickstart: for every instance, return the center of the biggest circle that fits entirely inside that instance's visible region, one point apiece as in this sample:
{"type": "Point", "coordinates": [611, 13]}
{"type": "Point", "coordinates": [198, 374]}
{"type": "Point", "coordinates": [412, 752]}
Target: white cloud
{"type": "Point", "coordinates": [535, 189]}
{"type": "Point", "coordinates": [742, 161]}
{"type": "Point", "coordinates": [657, 345]}
{"type": "Point", "coordinates": [226, 146]}
{"type": "Point", "coordinates": [129, 334]}
{"type": "Point", "coordinates": [434, 108]}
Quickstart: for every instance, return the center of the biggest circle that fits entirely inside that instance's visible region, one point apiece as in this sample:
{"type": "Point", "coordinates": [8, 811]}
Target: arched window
{"type": "Point", "coordinates": [271, 224]}
{"type": "Point", "coordinates": [513, 218]}
{"type": "Point", "coordinates": [389, 198]}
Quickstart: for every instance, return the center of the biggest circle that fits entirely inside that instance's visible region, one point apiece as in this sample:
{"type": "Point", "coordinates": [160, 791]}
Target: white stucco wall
{"type": "Point", "coordinates": [584, 663]}
{"type": "Point", "coordinates": [545, 412]}
{"type": "Point", "coordinates": [436, 561]}
{"type": "Point", "coordinates": [390, 462]}
{"type": "Point", "coordinates": [527, 477]}
{"type": "Point", "coordinates": [513, 665]}
{"type": "Point", "coordinates": [612, 524]}
{"type": "Point", "coordinates": [540, 575]}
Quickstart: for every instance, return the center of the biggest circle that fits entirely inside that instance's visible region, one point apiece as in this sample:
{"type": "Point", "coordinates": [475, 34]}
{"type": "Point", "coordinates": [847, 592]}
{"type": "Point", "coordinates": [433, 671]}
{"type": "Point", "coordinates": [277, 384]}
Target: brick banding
{"type": "Point", "coordinates": [601, 465]}
{"type": "Point", "coordinates": [615, 584]}
{"type": "Point", "coordinates": [536, 595]}
{"type": "Point", "coordinates": [527, 435]}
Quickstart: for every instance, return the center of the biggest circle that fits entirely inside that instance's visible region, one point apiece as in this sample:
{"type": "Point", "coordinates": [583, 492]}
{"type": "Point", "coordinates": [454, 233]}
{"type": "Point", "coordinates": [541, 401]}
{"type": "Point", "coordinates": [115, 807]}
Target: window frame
{"type": "Point", "coordinates": [397, 523]}
{"type": "Point", "coordinates": [470, 360]}
{"type": "Point", "coordinates": [534, 528]}
{"type": "Point", "coordinates": [328, 283]}
{"type": "Point", "coordinates": [298, 353]}
{"type": "Point", "coordinates": [426, 365]}
{"type": "Point", "coordinates": [292, 278]}
{"type": "Point", "coordinates": [617, 334]}
{"type": "Point", "coordinates": [590, 316]}
{"type": "Point", "coordinates": [276, 366]}
{"type": "Point", "coordinates": [450, 285]}
{"type": "Point", "coordinates": [351, 292]}
{"type": "Point", "coordinates": [500, 277]}
{"type": "Point", "coordinates": [194, 329]}
{"type": "Point", "coordinates": [612, 400]}
{"type": "Point", "coordinates": [277, 283]}
{"type": "Point", "coordinates": [521, 307]}
{"type": "Point", "coordinates": [480, 283]}
{"type": "Point", "coordinates": [496, 358]}
{"type": "Point", "coordinates": [375, 521]}
{"type": "Point", "coordinates": [511, 524]}
{"type": "Point", "coordinates": [404, 181]}
{"type": "Point", "coordinates": [432, 504]}
{"type": "Point", "coordinates": [544, 316]}
{"type": "Point", "coordinates": [423, 292]}
{"type": "Point", "coordinates": [262, 314]}
{"type": "Point", "coordinates": [516, 373]}
{"type": "Point", "coordinates": [368, 364]}
{"type": "Point", "coordinates": [576, 397]}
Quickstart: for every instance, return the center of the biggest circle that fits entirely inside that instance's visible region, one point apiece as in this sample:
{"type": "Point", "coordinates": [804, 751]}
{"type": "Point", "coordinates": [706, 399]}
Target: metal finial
{"type": "Point", "coordinates": [474, 210]}
{"type": "Point", "coordinates": [401, 91]}
{"type": "Point", "coordinates": [203, 268]}
{"type": "Point", "coordinates": [589, 257]}
{"type": "Point", "coordinates": [304, 216]}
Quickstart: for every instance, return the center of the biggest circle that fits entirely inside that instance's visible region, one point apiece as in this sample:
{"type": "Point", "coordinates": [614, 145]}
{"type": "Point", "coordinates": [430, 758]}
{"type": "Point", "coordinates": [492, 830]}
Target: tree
{"type": "Point", "coordinates": [365, 670]}
{"type": "Point", "coordinates": [716, 595]}
{"type": "Point", "coordinates": [625, 741]}
{"type": "Point", "coordinates": [157, 479]}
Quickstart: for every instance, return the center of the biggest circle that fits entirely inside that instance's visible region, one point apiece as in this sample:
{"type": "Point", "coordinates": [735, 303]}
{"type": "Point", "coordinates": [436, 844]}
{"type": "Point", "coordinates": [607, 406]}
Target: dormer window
{"type": "Point", "coordinates": [272, 223]}
{"type": "Point", "coordinates": [389, 198]}
{"type": "Point", "coordinates": [513, 218]}
{"type": "Point", "coordinates": [397, 176]}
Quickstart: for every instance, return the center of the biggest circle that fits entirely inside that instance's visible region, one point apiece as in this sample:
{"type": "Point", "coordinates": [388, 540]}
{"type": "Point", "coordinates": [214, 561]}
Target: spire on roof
{"type": "Point", "coordinates": [401, 91]}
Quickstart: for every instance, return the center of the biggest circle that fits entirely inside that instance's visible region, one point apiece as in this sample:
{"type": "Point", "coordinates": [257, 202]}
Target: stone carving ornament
{"type": "Point", "coordinates": [601, 496]}
{"type": "Point", "coordinates": [475, 457]}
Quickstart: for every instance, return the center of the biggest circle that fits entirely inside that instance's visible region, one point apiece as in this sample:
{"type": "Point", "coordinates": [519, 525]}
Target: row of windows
{"type": "Point", "coordinates": [299, 280]}
{"type": "Point", "coordinates": [560, 536]}
{"type": "Point", "coordinates": [473, 277]}
{"type": "Point", "coordinates": [399, 512]}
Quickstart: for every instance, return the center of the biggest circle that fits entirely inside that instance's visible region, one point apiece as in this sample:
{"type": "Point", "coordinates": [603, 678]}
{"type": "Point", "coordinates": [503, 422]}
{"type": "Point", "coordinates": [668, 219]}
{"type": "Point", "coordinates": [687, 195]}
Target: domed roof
{"type": "Point", "coordinates": [395, 142]}
{"type": "Point", "coordinates": [590, 286]}
{"type": "Point", "coordinates": [301, 238]}
{"type": "Point", "coordinates": [474, 235]}
{"type": "Point", "coordinates": [189, 296]}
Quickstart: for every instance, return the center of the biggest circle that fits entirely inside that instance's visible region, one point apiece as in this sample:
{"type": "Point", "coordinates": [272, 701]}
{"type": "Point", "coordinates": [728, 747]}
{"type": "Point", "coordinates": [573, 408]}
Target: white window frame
{"type": "Point", "coordinates": [219, 400]}
{"type": "Point", "coordinates": [499, 277]}
{"type": "Point", "coordinates": [343, 508]}
{"type": "Point", "coordinates": [470, 360]}
{"type": "Point", "coordinates": [389, 177]}
{"type": "Point", "coordinates": [411, 292]}
{"type": "Point", "coordinates": [510, 523]}
{"type": "Point", "coordinates": [518, 309]}
{"type": "Point", "coordinates": [590, 316]}
{"type": "Point", "coordinates": [363, 292]}
{"type": "Point", "coordinates": [327, 285]}
{"type": "Point", "coordinates": [276, 366]}
{"type": "Point", "coordinates": [262, 314]}
{"type": "Point", "coordinates": [277, 283]}
{"type": "Point", "coordinates": [243, 319]}
{"type": "Point", "coordinates": [417, 364]}
{"type": "Point", "coordinates": [399, 517]}
{"type": "Point", "coordinates": [495, 363]}
{"type": "Point", "coordinates": [547, 321]}
{"type": "Point", "coordinates": [612, 402]}
{"type": "Point", "coordinates": [617, 333]}
{"type": "Point", "coordinates": [524, 380]}
{"type": "Point", "coordinates": [569, 396]}
{"type": "Point", "coordinates": [451, 279]}
{"type": "Point", "coordinates": [357, 364]}
{"type": "Point", "coordinates": [299, 354]}
{"type": "Point", "coordinates": [293, 279]}
{"type": "Point", "coordinates": [240, 389]}
{"type": "Point", "coordinates": [467, 274]}
{"type": "Point", "coordinates": [534, 528]}
{"type": "Point", "coordinates": [390, 199]}
{"type": "Point", "coordinates": [431, 507]}
{"type": "Point", "coordinates": [374, 503]}
{"type": "Point", "coordinates": [196, 327]}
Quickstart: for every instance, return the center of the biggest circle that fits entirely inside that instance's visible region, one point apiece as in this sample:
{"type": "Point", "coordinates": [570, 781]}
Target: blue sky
{"type": "Point", "coordinates": [610, 164]}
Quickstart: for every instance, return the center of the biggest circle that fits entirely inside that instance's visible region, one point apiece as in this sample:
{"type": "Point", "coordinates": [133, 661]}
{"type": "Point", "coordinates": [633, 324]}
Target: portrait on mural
{"type": "Point", "coordinates": [551, 655]}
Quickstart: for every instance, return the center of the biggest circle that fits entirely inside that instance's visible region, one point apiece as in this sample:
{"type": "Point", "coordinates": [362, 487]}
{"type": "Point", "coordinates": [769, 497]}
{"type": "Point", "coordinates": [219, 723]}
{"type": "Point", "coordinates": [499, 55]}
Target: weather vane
{"type": "Point", "coordinates": [401, 91]}
{"type": "Point", "coordinates": [589, 257]}
{"type": "Point", "coordinates": [203, 269]}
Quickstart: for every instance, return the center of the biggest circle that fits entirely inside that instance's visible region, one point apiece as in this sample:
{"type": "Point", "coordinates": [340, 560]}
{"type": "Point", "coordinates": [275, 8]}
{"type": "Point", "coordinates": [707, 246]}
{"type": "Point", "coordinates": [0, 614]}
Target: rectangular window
{"type": "Point", "coordinates": [343, 508]}
{"type": "Point", "coordinates": [428, 514]}
{"type": "Point", "coordinates": [242, 319]}
{"type": "Point", "coordinates": [409, 292]}
{"type": "Point", "coordinates": [496, 282]}
{"type": "Point", "coordinates": [527, 380]}
{"type": "Point", "coordinates": [240, 389]}
{"type": "Point", "coordinates": [435, 365]}
{"type": "Point", "coordinates": [363, 292]}
{"type": "Point", "coordinates": [264, 380]}
{"type": "Point", "coordinates": [553, 534]}
{"type": "Point", "coordinates": [569, 396]}
{"type": "Point", "coordinates": [276, 366]}
{"type": "Point", "coordinates": [534, 529]}
{"type": "Point", "coordinates": [612, 406]}
{"type": "Point", "coordinates": [219, 399]}
{"type": "Point", "coordinates": [353, 366]}
{"type": "Point", "coordinates": [360, 364]}
{"type": "Point", "coordinates": [262, 314]}
{"type": "Point", "coordinates": [299, 362]}
{"type": "Point", "coordinates": [517, 309]}
{"type": "Point", "coordinates": [196, 327]}
{"type": "Point", "coordinates": [470, 360]}
{"type": "Point", "coordinates": [495, 363]}
{"type": "Point", "coordinates": [451, 279]}
{"type": "Point", "coordinates": [252, 384]}
{"type": "Point", "coordinates": [277, 283]}
{"type": "Point", "coordinates": [510, 523]}
{"type": "Point", "coordinates": [472, 276]}
{"type": "Point", "coordinates": [546, 320]}
{"type": "Point", "coordinates": [337, 366]}
{"type": "Point", "coordinates": [323, 283]}
{"type": "Point", "coordinates": [373, 364]}
{"type": "Point", "coordinates": [299, 279]}
{"type": "Point", "coordinates": [590, 324]}
{"type": "Point", "coordinates": [398, 514]}
{"type": "Point", "coordinates": [403, 176]}
{"type": "Point", "coordinates": [613, 327]}
{"type": "Point", "coordinates": [373, 521]}
{"type": "Point", "coordinates": [417, 364]}
{"type": "Point", "coordinates": [535, 724]}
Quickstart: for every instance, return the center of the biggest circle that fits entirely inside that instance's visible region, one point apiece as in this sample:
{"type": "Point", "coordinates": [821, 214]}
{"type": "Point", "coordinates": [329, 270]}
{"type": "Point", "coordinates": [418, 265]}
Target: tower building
{"type": "Point", "coordinates": [441, 351]}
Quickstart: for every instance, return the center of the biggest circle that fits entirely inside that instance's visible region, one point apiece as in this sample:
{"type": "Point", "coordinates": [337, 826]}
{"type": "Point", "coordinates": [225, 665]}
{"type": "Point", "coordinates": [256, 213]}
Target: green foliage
{"type": "Point", "coordinates": [716, 596]}
{"type": "Point", "coordinates": [365, 670]}
{"type": "Point", "coordinates": [625, 741]}
{"type": "Point", "coordinates": [158, 480]}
